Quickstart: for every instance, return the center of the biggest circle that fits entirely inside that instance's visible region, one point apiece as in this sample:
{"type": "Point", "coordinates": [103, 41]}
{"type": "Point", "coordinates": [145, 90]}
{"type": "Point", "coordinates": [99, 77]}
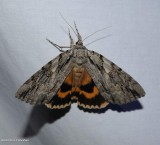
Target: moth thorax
{"type": "Point", "coordinates": [80, 55]}
{"type": "Point", "coordinates": [79, 52]}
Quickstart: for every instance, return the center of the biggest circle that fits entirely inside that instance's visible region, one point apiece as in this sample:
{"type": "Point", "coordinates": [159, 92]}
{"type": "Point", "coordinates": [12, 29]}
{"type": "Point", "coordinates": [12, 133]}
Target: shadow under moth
{"type": "Point", "coordinates": [82, 76]}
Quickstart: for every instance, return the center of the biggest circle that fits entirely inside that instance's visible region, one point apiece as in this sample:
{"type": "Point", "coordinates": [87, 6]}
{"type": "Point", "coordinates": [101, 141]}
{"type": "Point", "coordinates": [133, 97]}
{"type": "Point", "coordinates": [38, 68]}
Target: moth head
{"type": "Point", "coordinates": [79, 42]}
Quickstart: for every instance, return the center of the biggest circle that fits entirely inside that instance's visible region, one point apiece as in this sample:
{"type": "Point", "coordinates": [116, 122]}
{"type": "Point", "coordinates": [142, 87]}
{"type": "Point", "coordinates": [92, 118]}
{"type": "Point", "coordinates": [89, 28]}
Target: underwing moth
{"type": "Point", "coordinates": [82, 76]}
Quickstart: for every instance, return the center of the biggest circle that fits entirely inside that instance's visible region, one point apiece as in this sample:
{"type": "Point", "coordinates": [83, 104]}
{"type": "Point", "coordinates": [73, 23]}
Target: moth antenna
{"type": "Point", "coordinates": [71, 39]}
{"type": "Point", "coordinates": [68, 24]}
{"type": "Point", "coordinates": [64, 30]}
{"type": "Point", "coordinates": [96, 32]}
{"type": "Point", "coordinates": [98, 39]}
{"type": "Point", "coordinates": [80, 42]}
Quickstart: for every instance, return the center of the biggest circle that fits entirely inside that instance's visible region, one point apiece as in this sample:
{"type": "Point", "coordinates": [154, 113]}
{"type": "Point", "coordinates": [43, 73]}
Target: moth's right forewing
{"type": "Point", "coordinates": [121, 87]}
{"type": "Point", "coordinates": [121, 78]}
{"type": "Point", "coordinates": [94, 67]}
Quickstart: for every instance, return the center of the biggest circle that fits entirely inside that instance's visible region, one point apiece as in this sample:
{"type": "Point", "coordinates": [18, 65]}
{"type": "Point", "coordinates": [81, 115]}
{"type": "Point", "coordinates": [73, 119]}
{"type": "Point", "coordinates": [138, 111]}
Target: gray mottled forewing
{"type": "Point", "coordinates": [44, 84]}
{"type": "Point", "coordinates": [115, 85]}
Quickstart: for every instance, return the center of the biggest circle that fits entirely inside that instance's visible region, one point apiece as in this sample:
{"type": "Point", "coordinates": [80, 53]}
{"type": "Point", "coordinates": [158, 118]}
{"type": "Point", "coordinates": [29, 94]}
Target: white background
{"type": "Point", "coordinates": [134, 46]}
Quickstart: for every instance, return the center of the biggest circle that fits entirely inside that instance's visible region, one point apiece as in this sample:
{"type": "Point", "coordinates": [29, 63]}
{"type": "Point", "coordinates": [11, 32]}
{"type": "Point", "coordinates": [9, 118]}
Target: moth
{"type": "Point", "coordinates": [82, 76]}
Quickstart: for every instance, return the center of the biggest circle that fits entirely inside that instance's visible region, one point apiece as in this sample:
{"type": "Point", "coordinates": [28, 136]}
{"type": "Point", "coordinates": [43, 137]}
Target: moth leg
{"type": "Point", "coordinates": [57, 46]}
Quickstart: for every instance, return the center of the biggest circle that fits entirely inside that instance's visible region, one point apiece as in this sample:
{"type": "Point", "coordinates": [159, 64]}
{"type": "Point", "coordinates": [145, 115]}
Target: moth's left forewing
{"type": "Point", "coordinates": [121, 88]}
{"type": "Point", "coordinates": [36, 88]}
{"type": "Point", "coordinates": [44, 84]}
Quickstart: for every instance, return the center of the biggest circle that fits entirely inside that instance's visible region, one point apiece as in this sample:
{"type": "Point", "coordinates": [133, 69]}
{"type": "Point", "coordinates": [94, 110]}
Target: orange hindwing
{"type": "Point", "coordinates": [85, 93]}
